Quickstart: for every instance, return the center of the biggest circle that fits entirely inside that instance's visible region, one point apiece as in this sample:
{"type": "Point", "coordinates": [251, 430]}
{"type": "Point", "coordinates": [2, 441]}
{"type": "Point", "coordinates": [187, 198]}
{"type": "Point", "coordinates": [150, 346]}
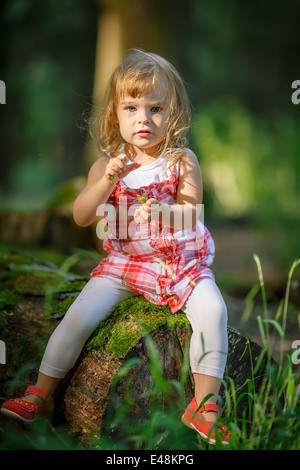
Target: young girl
{"type": "Point", "coordinates": [162, 251]}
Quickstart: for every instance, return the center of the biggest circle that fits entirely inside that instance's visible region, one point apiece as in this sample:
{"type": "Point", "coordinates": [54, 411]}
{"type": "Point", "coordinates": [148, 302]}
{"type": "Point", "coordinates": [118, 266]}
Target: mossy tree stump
{"type": "Point", "coordinates": [137, 364]}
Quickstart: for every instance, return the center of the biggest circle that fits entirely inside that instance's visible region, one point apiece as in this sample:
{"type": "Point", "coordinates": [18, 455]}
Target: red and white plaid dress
{"type": "Point", "coordinates": [158, 262]}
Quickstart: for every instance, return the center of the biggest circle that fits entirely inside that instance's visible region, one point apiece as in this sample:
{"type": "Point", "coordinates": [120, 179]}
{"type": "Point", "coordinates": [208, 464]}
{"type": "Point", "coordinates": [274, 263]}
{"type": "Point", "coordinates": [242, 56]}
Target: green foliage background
{"type": "Point", "coordinates": [238, 60]}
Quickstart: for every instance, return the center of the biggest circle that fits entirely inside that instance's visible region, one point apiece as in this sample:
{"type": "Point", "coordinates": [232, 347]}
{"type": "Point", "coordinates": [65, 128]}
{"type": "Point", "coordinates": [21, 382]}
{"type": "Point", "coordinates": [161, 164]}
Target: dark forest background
{"type": "Point", "coordinates": [238, 59]}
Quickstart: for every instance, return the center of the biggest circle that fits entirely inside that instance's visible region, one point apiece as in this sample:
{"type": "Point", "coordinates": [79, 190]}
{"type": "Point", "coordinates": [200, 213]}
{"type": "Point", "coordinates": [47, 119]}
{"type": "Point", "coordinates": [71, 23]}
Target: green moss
{"type": "Point", "coordinates": [129, 322]}
{"type": "Point", "coordinates": [27, 276]}
{"type": "Point", "coordinates": [7, 260]}
{"type": "Point", "coordinates": [7, 299]}
{"type": "Point", "coordinates": [61, 308]}
{"type": "Point", "coordinates": [39, 282]}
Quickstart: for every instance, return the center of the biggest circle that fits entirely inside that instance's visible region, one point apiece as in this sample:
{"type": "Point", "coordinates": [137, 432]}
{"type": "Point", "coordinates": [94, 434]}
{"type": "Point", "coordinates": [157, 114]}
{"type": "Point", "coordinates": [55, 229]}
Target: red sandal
{"type": "Point", "coordinates": [193, 419]}
{"type": "Point", "coordinates": [22, 410]}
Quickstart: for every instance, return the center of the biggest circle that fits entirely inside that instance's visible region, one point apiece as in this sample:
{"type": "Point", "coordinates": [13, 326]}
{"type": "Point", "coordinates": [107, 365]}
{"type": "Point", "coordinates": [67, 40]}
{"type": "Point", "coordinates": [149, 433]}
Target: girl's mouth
{"type": "Point", "coordinates": [143, 132]}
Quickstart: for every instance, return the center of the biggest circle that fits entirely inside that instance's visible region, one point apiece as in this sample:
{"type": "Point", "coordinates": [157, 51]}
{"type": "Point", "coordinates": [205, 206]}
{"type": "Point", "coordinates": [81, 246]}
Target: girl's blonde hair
{"type": "Point", "coordinates": [138, 73]}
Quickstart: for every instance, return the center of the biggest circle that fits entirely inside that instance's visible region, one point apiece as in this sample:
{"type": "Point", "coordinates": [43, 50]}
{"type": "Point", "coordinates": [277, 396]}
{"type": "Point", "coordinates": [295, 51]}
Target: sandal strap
{"type": "Point", "coordinates": [37, 391]}
{"type": "Point", "coordinates": [209, 407]}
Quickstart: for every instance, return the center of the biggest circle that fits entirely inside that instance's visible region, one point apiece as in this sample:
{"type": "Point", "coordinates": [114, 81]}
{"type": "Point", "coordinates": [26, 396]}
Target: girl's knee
{"type": "Point", "coordinates": [207, 304]}
{"type": "Point", "coordinates": [218, 309]}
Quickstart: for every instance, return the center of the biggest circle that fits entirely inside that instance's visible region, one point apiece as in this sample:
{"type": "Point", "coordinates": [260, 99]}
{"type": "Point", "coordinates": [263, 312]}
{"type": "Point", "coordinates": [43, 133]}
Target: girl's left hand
{"type": "Point", "coordinates": [143, 214]}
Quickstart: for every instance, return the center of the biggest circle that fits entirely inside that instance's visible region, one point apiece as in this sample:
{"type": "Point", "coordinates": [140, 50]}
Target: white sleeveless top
{"type": "Point", "coordinates": [155, 172]}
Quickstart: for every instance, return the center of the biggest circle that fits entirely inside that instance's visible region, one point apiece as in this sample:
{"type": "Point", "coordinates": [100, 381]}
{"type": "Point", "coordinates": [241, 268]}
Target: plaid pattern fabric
{"type": "Point", "coordinates": [160, 263]}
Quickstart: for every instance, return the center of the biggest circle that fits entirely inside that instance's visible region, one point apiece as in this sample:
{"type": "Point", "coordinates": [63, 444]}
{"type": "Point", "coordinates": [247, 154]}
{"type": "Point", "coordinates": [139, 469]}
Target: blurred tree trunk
{"type": "Point", "coordinates": [122, 25]}
{"type": "Point", "coordinates": [108, 55]}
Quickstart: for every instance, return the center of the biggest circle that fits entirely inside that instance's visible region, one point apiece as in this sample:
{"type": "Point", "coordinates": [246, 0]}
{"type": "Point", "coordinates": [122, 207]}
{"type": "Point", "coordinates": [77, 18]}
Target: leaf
{"type": "Point", "coordinates": [142, 199]}
{"type": "Point", "coordinates": [276, 325]}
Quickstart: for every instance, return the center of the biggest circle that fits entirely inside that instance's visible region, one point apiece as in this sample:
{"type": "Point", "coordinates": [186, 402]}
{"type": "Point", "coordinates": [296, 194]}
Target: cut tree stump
{"type": "Point", "coordinates": [113, 391]}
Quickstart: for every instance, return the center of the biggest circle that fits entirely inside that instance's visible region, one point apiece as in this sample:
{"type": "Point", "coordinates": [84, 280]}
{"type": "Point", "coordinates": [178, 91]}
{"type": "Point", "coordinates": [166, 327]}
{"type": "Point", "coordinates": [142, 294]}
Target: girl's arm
{"type": "Point", "coordinates": [189, 190]}
{"type": "Point", "coordinates": [185, 212]}
{"type": "Point", "coordinates": [100, 184]}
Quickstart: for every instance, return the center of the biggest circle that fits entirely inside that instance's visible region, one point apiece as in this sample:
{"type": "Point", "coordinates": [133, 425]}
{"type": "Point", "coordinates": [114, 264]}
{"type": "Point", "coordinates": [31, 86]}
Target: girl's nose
{"type": "Point", "coordinates": [143, 116]}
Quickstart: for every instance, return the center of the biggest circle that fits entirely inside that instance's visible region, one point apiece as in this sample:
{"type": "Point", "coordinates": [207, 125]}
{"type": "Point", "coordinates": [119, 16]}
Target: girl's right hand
{"type": "Point", "coordinates": [117, 169]}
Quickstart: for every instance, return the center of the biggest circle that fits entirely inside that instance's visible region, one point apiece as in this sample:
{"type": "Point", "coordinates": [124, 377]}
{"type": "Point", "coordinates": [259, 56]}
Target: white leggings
{"type": "Point", "coordinates": [204, 308]}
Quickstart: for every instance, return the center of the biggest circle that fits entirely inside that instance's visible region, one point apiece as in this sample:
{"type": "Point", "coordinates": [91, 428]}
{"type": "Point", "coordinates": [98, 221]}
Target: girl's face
{"type": "Point", "coordinates": [143, 120]}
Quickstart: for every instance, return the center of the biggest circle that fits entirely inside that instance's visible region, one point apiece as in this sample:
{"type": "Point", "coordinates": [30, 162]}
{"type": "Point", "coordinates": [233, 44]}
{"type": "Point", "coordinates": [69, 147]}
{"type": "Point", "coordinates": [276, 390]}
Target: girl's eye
{"type": "Point", "coordinates": [131, 109]}
{"type": "Point", "coordinates": [156, 109]}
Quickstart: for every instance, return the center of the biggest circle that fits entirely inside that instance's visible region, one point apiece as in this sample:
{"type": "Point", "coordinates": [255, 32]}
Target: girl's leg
{"type": "Point", "coordinates": [207, 314]}
{"type": "Point", "coordinates": [97, 299]}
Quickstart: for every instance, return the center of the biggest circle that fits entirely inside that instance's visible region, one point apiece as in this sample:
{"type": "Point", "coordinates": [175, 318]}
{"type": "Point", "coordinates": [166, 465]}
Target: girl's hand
{"type": "Point", "coordinates": [143, 214]}
{"type": "Point", "coordinates": [117, 169]}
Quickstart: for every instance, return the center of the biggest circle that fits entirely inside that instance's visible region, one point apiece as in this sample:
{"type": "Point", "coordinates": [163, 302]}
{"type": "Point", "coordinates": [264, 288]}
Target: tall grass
{"type": "Point", "coordinates": [269, 420]}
